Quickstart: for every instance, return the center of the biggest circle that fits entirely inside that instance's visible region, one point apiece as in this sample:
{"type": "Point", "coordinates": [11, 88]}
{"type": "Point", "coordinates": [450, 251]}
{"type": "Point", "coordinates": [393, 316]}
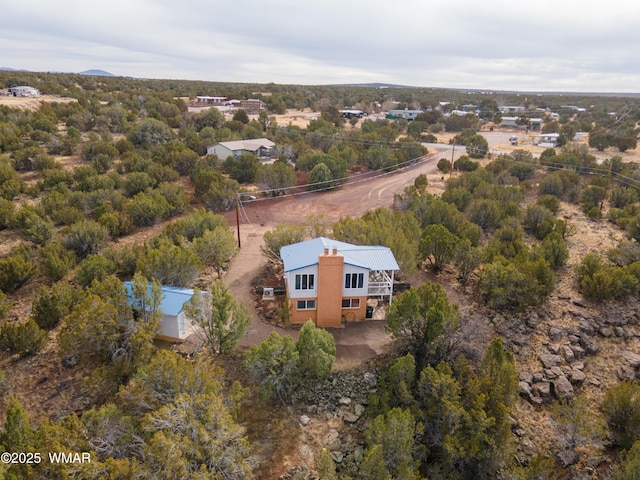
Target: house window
{"type": "Point", "coordinates": [306, 304]}
{"type": "Point", "coordinates": [350, 303]}
{"type": "Point", "coordinates": [305, 281]}
{"type": "Point", "coordinates": [354, 280]}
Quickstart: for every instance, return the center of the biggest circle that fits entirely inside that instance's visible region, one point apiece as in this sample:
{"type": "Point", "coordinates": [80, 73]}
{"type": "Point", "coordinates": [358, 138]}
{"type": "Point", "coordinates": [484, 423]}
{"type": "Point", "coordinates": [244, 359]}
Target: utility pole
{"type": "Point", "coordinates": [606, 185]}
{"type": "Point", "coordinates": [452, 152]}
{"type": "Point", "coordinates": [238, 216]}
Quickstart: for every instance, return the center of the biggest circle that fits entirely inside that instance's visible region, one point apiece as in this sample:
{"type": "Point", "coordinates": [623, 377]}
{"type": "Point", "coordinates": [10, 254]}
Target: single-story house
{"type": "Point", "coordinates": [209, 101]}
{"type": "Point", "coordinates": [24, 91]}
{"type": "Point", "coordinates": [329, 281]}
{"type": "Point", "coordinates": [511, 108]}
{"type": "Point", "coordinates": [260, 147]}
{"type": "Point", "coordinates": [406, 114]}
{"type": "Point", "coordinates": [546, 140]}
{"type": "Point", "coordinates": [352, 113]}
{"type": "Point", "coordinates": [251, 105]}
{"type": "Point", "coordinates": [509, 121]}
{"type": "Point", "coordinates": [535, 123]}
{"type": "Point", "coordinates": [175, 326]}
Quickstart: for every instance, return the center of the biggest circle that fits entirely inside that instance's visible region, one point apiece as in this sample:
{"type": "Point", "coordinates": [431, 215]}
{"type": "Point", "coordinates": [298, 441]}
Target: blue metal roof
{"type": "Point", "coordinates": [173, 298]}
{"type": "Point", "coordinates": [305, 254]}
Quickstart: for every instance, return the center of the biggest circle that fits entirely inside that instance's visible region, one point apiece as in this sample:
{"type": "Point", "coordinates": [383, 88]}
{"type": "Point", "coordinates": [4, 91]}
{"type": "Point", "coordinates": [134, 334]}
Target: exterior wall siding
{"type": "Point", "coordinates": [355, 314]}
{"type": "Point", "coordinates": [169, 326]}
{"type": "Point", "coordinates": [291, 283]}
{"type": "Point", "coordinates": [355, 292]}
{"type": "Point", "coordinates": [300, 316]}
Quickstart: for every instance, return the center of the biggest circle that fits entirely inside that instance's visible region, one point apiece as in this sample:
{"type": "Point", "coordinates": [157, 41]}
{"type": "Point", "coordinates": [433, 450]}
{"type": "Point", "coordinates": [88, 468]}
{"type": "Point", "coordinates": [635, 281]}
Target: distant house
{"type": "Point", "coordinates": [260, 147]}
{"type": "Point", "coordinates": [511, 109]}
{"type": "Point", "coordinates": [329, 281]}
{"type": "Point", "coordinates": [546, 140]}
{"type": "Point", "coordinates": [207, 101]}
{"type": "Point", "coordinates": [535, 123]}
{"type": "Point", "coordinates": [251, 105]}
{"type": "Point", "coordinates": [406, 114]}
{"type": "Point", "coordinates": [175, 325]}
{"type": "Point", "coordinates": [352, 113]}
{"type": "Point", "coordinates": [24, 91]}
{"type": "Point", "coordinates": [509, 121]}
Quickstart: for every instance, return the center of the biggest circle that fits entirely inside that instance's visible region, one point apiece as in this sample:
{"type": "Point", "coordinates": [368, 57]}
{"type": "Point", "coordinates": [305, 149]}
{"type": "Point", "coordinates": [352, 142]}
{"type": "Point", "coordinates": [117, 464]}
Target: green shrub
{"type": "Point", "coordinates": [516, 285]}
{"type": "Point", "coordinates": [85, 237]}
{"type": "Point", "coordinates": [56, 260]}
{"type": "Point", "coordinates": [549, 201]}
{"type": "Point", "coordinates": [317, 352]}
{"type": "Point", "coordinates": [32, 227]}
{"type": "Point", "coordinates": [5, 304]}
{"type": "Point", "coordinates": [170, 265]}
{"type": "Point", "coordinates": [51, 304]}
{"type": "Point", "coordinates": [25, 338]}
{"type": "Point", "coordinates": [7, 209]}
{"type": "Point", "coordinates": [146, 209]}
{"type": "Point", "coordinates": [175, 197]}
{"type": "Point", "coordinates": [554, 250]}
{"type": "Point", "coordinates": [194, 225]}
{"type": "Point", "coordinates": [137, 182]}
{"type": "Point", "coordinates": [465, 164]}
{"type": "Point", "coordinates": [522, 171]}
{"type": "Point", "coordinates": [4, 384]}
{"type": "Point", "coordinates": [94, 267]}
{"type": "Point", "coordinates": [621, 407]}
{"type": "Point", "coordinates": [590, 200]}
{"type": "Point", "coordinates": [15, 270]}
{"type": "Point", "coordinates": [600, 281]}
{"type": "Point", "coordinates": [623, 196]}
{"type": "Point", "coordinates": [538, 220]}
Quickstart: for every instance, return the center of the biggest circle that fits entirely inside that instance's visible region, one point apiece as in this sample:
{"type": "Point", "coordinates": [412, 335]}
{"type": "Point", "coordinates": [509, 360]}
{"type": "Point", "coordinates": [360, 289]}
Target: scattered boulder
{"type": "Point", "coordinates": [550, 360]}
{"type": "Point", "coordinates": [563, 388]}
{"type": "Point", "coordinates": [370, 379]}
{"type": "Point", "coordinates": [606, 332]}
{"type": "Point", "coordinates": [349, 417]}
{"type": "Point", "coordinates": [541, 389]}
{"type": "Point", "coordinates": [304, 420]}
{"type": "Point", "coordinates": [578, 351]}
{"type": "Point", "coordinates": [568, 354]}
{"type": "Point", "coordinates": [555, 334]}
{"type": "Point", "coordinates": [337, 456]}
{"type": "Point", "coordinates": [632, 358]}
{"type": "Point", "coordinates": [331, 437]}
{"type": "Point", "coordinates": [525, 389]}
{"type": "Point", "coordinates": [526, 377]}
{"type": "Point", "coordinates": [589, 344]}
{"type": "Point", "coordinates": [625, 372]}
{"type": "Point", "coordinates": [344, 401]}
{"type": "Point", "coordinates": [576, 376]}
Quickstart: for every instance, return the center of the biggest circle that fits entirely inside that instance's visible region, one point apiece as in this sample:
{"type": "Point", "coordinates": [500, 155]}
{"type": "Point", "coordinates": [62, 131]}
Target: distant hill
{"type": "Point", "coordinates": [97, 73]}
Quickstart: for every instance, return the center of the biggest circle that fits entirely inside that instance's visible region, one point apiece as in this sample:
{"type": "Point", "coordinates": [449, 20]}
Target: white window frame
{"type": "Point", "coordinates": [307, 304]}
{"type": "Point", "coordinates": [304, 281]}
{"type": "Point", "coordinates": [351, 278]}
{"type": "Point", "coordinates": [351, 302]}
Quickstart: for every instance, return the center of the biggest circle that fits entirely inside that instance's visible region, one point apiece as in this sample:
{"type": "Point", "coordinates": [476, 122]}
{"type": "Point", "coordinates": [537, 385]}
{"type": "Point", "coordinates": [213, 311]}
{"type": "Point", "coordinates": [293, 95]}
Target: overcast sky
{"type": "Point", "coordinates": [559, 45]}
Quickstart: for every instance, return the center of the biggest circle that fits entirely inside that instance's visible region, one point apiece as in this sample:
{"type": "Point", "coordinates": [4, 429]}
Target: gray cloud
{"type": "Point", "coordinates": [544, 45]}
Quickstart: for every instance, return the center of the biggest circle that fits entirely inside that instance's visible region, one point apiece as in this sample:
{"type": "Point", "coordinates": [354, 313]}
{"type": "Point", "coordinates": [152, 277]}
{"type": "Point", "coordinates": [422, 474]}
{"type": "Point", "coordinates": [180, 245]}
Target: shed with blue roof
{"type": "Point", "coordinates": [175, 325]}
